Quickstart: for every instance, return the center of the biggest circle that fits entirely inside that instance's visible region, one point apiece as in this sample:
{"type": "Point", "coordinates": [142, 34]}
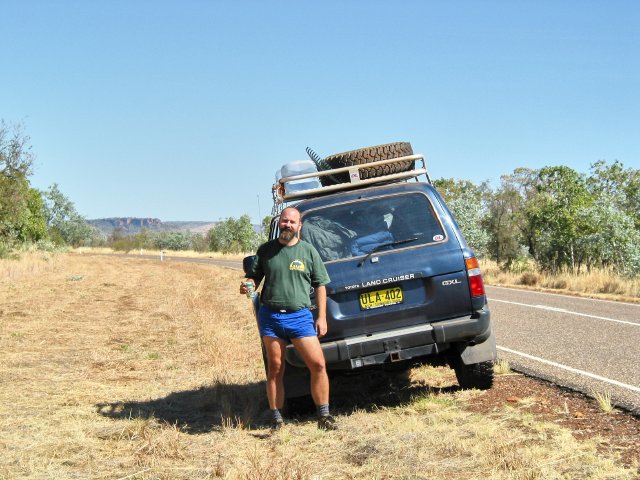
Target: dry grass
{"type": "Point", "coordinates": [123, 368]}
{"type": "Point", "coordinates": [596, 284]}
{"type": "Point", "coordinates": [603, 399]}
{"type": "Point", "coordinates": [27, 264]}
{"type": "Point", "coordinates": [502, 367]}
{"type": "Point", "coordinates": [172, 253]}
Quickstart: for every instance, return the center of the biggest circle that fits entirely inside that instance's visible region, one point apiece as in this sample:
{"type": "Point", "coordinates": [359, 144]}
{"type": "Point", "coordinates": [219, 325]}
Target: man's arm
{"type": "Point", "coordinates": [255, 275]}
{"type": "Point", "coordinates": [321, 321]}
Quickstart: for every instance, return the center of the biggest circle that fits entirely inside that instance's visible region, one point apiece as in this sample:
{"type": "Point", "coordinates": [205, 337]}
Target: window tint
{"type": "Point", "coordinates": [355, 229]}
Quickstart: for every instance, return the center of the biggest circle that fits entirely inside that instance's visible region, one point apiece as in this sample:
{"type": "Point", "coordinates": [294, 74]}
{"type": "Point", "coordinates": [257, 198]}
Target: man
{"type": "Point", "coordinates": [290, 267]}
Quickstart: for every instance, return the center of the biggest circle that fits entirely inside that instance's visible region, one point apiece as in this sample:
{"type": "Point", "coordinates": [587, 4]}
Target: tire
{"type": "Point", "coordinates": [297, 391]}
{"type": "Point", "coordinates": [476, 375]}
{"type": "Point", "coordinates": [296, 381]}
{"type": "Point", "coordinates": [362, 156]}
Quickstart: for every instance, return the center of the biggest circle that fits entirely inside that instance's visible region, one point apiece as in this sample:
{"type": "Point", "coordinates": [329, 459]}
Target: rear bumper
{"type": "Point", "coordinates": [399, 344]}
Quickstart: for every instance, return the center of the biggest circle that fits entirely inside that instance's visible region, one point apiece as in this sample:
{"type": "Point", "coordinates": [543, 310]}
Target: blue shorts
{"type": "Point", "coordinates": [273, 323]}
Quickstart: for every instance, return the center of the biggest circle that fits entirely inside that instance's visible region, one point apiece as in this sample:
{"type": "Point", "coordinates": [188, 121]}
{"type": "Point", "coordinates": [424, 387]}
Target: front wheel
{"type": "Point", "coordinates": [475, 375]}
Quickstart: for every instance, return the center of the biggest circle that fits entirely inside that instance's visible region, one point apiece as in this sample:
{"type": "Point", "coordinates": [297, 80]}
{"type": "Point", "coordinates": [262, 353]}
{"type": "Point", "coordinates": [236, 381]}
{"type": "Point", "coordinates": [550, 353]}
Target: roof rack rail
{"type": "Point", "coordinates": [280, 195]}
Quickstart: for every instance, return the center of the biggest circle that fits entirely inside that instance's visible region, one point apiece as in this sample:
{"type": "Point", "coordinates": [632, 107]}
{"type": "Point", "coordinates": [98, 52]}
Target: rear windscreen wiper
{"type": "Point", "coordinates": [385, 245]}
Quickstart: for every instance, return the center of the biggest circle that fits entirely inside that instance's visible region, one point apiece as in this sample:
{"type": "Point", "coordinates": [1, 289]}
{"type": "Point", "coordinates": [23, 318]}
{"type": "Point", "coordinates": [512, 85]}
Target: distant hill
{"type": "Point", "coordinates": [133, 225]}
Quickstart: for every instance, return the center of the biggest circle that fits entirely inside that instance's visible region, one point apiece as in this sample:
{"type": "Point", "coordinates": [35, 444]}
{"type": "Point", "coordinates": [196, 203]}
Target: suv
{"type": "Point", "coordinates": [405, 286]}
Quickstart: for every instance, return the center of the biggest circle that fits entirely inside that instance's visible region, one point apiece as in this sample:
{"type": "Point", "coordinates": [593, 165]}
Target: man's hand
{"type": "Point", "coordinates": [321, 300]}
{"type": "Point", "coordinates": [243, 287]}
{"type": "Point", "coordinates": [321, 326]}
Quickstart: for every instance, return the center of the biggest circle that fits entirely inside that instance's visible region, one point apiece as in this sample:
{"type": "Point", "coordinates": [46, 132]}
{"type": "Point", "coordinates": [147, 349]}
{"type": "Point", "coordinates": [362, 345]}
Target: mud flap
{"type": "Point", "coordinates": [482, 352]}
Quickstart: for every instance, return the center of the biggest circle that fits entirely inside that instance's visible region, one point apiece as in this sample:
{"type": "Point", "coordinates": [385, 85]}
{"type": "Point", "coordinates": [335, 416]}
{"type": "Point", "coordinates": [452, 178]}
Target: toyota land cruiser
{"type": "Point", "coordinates": [405, 286]}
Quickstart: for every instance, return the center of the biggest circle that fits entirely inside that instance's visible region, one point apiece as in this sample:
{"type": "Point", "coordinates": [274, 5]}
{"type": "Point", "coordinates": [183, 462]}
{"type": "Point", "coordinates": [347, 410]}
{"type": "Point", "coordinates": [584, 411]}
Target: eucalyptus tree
{"type": "Point", "coordinates": [554, 217]}
{"type": "Point", "coordinates": [510, 236]}
{"type": "Point", "coordinates": [21, 217]}
{"type": "Point", "coordinates": [621, 184]}
{"type": "Point", "coordinates": [233, 236]}
{"type": "Point", "coordinates": [65, 224]}
{"type": "Point", "coordinates": [468, 204]}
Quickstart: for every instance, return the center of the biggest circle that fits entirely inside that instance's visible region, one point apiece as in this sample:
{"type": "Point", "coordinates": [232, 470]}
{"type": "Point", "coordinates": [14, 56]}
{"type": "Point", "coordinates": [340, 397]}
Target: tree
{"type": "Point", "coordinates": [18, 202]}
{"type": "Point", "coordinates": [199, 242]}
{"type": "Point", "coordinates": [173, 241]}
{"type": "Point", "coordinates": [32, 225]}
{"type": "Point", "coordinates": [612, 241]}
{"type": "Point", "coordinates": [620, 184]}
{"type": "Point", "coordinates": [233, 236]}
{"type": "Point", "coordinates": [66, 225]}
{"type": "Point", "coordinates": [553, 216]}
{"type": "Point", "coordinates": [501, 224]}
{"type": "Point", "coordinates": [506, 223]}
{"type": "Point", "coordinates": [266, 226]}
{"type": "Point", "coordinates": [16, 157]}
{"type": "Point", "coordinates": [467, 204]}
{"type": "Point", "coordinates": [142, 239]}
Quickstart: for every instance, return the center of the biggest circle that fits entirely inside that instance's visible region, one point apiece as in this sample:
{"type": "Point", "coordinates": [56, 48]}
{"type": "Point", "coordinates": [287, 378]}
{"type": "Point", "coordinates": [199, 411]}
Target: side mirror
{"type": "Point", "coordinates": [247, 263]}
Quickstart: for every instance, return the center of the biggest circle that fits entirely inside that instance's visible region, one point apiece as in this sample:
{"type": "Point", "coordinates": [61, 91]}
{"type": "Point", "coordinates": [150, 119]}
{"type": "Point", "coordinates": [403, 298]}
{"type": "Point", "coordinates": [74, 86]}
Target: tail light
{"type": "Point", "coordinates": [476, 285]}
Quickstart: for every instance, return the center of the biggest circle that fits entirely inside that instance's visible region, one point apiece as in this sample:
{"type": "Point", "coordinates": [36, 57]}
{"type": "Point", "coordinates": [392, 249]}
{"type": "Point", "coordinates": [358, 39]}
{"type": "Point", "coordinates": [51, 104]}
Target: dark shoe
{"type": "Point", "coordinates": [327, 422]}
{"type": "Point", "coordinates": [266, 419]}
{"type": "Point", "coordinates": [276, 424]}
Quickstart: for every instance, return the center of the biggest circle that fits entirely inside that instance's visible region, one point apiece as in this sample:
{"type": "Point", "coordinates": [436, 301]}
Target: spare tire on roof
{"type": "Point", "coordinates": [366, 155]}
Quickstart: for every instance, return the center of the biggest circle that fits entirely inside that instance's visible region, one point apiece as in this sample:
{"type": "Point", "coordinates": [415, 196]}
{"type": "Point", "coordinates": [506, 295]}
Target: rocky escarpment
{"type": "Point", "coordinates": [133, 225]}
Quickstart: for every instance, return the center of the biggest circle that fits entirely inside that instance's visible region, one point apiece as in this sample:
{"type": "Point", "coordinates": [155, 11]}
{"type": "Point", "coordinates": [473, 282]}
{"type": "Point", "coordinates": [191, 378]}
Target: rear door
{"type": "Point", "coordinates": [393, 261]}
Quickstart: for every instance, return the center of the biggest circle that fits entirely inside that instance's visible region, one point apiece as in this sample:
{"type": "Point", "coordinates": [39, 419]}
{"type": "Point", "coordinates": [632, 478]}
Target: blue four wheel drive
{"type": "Point", "coordinates": [405, 286]}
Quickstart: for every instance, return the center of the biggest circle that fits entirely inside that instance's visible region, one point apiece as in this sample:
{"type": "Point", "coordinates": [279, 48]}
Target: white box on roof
{"type": "Point", "coordinates": [298, 167]}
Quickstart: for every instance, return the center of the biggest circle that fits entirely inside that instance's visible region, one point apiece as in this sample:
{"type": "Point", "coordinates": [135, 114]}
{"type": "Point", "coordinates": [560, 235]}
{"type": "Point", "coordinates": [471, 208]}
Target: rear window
{"type": "Point", "coordinates": [377, 224]}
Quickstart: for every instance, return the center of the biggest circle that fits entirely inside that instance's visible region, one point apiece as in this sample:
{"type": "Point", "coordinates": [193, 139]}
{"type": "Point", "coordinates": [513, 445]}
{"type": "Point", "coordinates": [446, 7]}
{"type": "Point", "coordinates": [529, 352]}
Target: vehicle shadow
{"type": "Point", "coordinates": [377, 389]}
{"type": "Point", "coordinates": [210, 408]}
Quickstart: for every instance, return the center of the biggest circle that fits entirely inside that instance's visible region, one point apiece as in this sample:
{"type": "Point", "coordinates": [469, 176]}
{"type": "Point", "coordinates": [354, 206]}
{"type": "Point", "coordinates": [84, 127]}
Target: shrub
{"type": "Point", "coordinates": [611, 286]}
{"type": "Point", "coordinates": [529, 278]}
{"type": "Point", "coordinates": [6, 252]}
{"type": "Point", "coordinates": [557, 283]}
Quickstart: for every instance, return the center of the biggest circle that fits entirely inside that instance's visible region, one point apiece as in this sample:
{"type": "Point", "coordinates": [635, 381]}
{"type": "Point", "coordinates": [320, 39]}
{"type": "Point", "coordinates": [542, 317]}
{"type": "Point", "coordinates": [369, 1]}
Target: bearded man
{"type": "Point", "coordinates": [290, 267]}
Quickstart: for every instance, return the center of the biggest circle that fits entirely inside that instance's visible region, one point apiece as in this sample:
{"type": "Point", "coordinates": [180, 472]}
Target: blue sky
{"type": "Point", "coordinates": [184, 110]}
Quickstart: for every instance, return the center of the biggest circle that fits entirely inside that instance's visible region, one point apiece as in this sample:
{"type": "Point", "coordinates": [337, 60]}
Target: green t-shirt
{"type": "Point", "coordinates": [289, 273]}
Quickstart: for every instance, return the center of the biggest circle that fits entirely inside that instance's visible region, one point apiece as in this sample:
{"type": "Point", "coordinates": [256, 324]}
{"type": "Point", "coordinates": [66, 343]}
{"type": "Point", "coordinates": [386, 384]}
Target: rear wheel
{"type": "Point", "coordinates": [476, 375]}
{"type": "Point", "coordinates": [363, 156]}
{"type": "Point", "coordinates": [297, 391]}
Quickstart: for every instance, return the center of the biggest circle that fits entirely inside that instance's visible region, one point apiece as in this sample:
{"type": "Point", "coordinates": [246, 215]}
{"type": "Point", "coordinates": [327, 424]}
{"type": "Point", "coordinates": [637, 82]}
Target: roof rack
{"type": "Point", "coordinates": [280, 195]}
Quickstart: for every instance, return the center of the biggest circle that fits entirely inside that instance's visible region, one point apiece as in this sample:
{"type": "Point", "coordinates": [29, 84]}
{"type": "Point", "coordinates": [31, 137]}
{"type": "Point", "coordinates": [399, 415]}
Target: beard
{"type": "Point", "coordinates": [286, 235]}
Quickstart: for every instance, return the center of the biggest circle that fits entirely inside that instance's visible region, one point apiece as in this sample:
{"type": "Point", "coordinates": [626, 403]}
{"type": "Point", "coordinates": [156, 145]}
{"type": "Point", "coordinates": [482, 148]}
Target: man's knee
{"type": "Point", "coordinates": [275, 369]}
{"type": "Point", "coordinates": [316, 365]}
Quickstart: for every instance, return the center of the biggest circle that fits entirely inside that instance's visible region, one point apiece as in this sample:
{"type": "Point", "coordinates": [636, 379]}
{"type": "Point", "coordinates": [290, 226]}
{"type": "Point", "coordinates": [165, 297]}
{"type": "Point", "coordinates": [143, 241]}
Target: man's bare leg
{"type": "Point", "coordinates": [311, 352]}
{"type": "Point", "coordinates": [275, 349]}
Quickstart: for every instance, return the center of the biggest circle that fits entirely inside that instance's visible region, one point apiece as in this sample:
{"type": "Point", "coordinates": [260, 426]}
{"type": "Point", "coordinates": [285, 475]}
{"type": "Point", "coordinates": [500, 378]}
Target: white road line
{"type": "Point", "coordinates": [562, 310]}
{"type": "Point", "coordinates": [573, 297]}
{"type": "Point", "coordinates": [573, 370]}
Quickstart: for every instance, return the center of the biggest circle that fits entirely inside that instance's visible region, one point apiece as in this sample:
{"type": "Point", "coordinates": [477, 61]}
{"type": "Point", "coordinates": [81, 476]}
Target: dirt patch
{"type": "Point", "coordinates": [618, 431]}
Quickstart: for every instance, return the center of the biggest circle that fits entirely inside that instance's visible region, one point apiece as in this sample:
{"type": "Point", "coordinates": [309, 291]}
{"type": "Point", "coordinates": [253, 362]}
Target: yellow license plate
{"type": "Point", "coordinates": [381, 298]}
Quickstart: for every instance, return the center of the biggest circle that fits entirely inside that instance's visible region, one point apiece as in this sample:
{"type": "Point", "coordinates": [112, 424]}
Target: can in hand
{"type": "Point", "coordinates": [251, 291]}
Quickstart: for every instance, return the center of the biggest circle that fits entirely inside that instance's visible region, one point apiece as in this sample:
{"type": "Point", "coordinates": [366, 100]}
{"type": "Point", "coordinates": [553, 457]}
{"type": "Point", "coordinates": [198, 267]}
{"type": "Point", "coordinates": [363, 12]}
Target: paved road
{"type": "Point", "coordinates": [589, 345]}
{"type": "Point", "coordinates": [235, 264]}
